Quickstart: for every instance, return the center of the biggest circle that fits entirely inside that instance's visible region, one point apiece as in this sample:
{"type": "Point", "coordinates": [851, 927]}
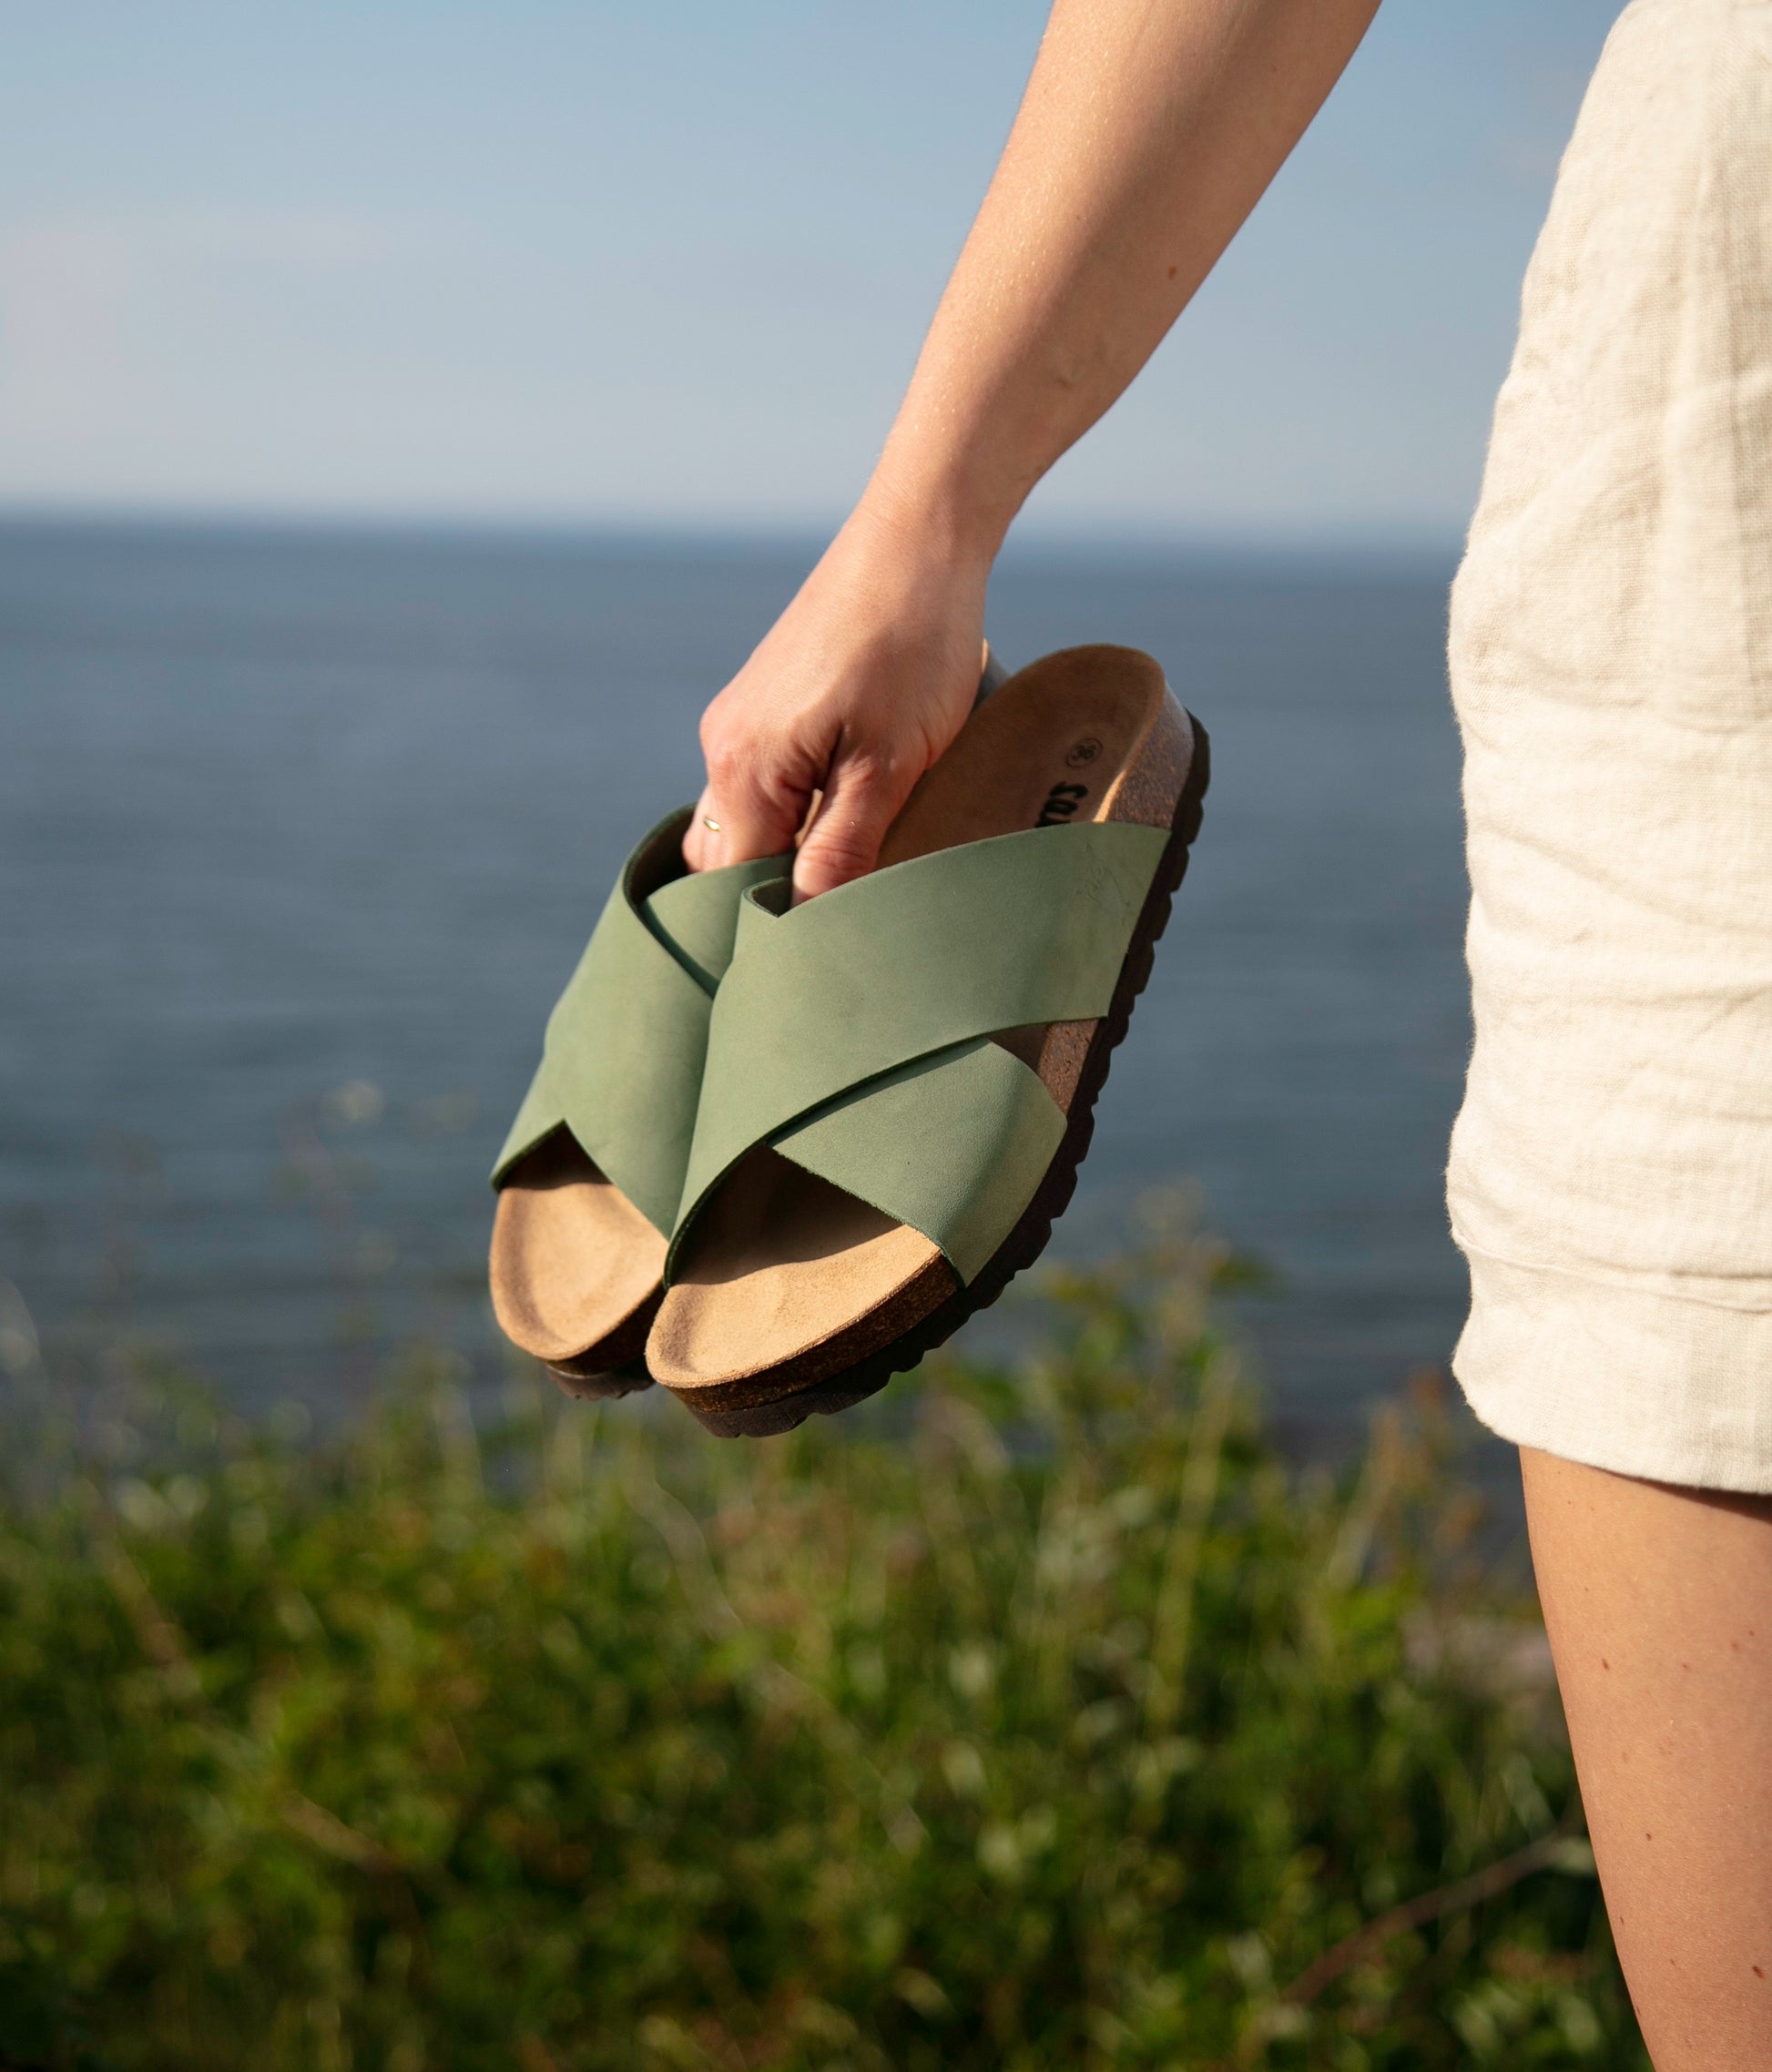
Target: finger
{"type": "Point", "coordinates": [735, 823]}
{"type": "Point", "coordinates": [700, 835]}
{"type": "Point", "coordinates": [862, 800]}
{"type": "Point", "coordinates": [740, 813]}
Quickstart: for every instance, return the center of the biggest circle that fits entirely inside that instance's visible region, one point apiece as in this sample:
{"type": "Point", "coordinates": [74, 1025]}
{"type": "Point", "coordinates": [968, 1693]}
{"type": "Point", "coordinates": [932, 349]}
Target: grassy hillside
{"type": "Point", "coordinates": [1070, 1730]}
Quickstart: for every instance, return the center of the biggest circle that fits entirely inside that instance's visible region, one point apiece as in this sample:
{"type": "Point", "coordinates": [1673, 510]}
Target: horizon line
{"type": "Point", "coordinates": [1390, 539]}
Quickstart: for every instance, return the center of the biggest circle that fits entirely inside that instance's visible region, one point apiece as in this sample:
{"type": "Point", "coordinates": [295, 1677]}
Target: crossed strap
{"type": "Point", "coordinates": [852, 1033]}
{"type": "Point", "coordinates": [622, 1060]}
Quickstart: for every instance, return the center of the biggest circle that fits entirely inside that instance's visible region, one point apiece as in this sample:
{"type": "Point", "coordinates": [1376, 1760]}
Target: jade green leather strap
{"type": "Point", "coordinates": [915, 963]}
{"type": "Point", "coordinates": [621, 1062]}
{"type": "Point", "coordinates": [954, 1144]}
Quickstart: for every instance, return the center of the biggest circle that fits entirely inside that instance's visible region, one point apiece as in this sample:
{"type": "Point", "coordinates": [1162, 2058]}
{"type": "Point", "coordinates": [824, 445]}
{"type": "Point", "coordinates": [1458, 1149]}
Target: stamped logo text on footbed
{"type": "Point", "coordinates": [1061, 802]}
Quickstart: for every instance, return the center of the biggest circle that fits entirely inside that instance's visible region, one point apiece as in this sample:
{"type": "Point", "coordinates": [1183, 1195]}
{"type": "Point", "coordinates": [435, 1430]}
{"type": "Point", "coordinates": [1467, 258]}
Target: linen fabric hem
{"type": "Point", "coordinates": [1628, 1378]}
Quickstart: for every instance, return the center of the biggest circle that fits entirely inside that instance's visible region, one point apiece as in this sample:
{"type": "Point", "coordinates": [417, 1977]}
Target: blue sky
{"type": "Point", "coordinates": [587, 261]}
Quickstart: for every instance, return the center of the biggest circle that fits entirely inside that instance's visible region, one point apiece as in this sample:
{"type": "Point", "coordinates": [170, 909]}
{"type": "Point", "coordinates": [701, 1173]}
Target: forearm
{"type": "Point", "coordinates": [1149, 130]}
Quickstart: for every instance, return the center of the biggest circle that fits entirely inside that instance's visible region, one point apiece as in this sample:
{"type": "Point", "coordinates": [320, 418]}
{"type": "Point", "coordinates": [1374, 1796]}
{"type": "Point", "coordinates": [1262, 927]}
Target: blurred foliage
{"type": "Point", "coordinates": [1071, 1728]}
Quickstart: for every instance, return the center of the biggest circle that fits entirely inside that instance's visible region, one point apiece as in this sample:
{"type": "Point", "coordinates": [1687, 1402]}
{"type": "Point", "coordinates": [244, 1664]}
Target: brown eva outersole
{"type": "Point", "coordinates": [617, 1365]}
{"type": "Point", "coordinates": [1031, 1236]}
{"type": "Point", "coordinates": [600, 1387]}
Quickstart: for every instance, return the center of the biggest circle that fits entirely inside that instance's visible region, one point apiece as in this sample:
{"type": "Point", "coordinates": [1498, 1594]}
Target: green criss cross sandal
{"type": "Point", "coordinates": [591, 1172]}
{"type": "Point", "coordinates": [900, 1075]}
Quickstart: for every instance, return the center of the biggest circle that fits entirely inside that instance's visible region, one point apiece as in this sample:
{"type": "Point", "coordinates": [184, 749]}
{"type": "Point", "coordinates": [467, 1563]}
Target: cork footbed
{"type": "Point", "coordinates": [555, 1213]}
{"type": "Point", "coordinates": [786, 1280]}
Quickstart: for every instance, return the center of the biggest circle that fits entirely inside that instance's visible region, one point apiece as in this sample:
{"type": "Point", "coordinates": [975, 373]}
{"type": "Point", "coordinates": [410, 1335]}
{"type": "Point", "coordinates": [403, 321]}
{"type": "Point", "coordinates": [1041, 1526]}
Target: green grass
{"type": "Point", "coordinates": [1074, 1729]}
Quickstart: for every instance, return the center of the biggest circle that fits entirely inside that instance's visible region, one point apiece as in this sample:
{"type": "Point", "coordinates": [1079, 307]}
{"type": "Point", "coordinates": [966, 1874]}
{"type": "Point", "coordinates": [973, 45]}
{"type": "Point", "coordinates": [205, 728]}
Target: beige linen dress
{"type": "Point", "coordinates": [1611, 1177]}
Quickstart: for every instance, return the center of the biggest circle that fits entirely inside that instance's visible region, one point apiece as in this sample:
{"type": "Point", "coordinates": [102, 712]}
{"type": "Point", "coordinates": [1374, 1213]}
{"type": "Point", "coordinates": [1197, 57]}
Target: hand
{"type": "Point", "coordinates": [855, 691]}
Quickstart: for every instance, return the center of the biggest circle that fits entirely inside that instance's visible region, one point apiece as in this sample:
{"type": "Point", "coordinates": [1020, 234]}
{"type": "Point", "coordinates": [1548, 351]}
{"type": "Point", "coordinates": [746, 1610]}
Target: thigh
{"type": "Point", "coordinates": [1659, 1601]}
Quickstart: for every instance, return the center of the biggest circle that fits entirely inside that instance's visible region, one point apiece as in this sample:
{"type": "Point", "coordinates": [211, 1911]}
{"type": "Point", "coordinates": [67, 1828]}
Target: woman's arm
{"type": "Point", "coordinates": [1148, 131]}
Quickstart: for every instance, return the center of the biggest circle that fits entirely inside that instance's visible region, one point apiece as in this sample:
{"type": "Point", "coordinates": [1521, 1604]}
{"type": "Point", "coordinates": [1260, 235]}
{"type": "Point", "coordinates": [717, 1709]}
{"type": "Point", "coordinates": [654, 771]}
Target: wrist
{"type": "Point", "coordinates": [936, 512]}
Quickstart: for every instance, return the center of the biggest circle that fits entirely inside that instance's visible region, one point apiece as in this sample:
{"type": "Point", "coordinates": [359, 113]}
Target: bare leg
{"type": "Point", "coordinates": [1659, 1601]}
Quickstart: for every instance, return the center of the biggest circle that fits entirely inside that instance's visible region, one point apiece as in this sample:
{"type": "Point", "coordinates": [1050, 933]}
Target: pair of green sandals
{"type": "Point", "coordinates": [774, 1153]}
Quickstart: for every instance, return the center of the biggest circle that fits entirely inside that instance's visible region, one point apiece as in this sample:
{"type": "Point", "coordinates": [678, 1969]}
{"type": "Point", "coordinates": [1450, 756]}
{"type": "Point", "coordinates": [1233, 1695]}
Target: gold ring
{"type": "Point", "coordinates": [712, 826]}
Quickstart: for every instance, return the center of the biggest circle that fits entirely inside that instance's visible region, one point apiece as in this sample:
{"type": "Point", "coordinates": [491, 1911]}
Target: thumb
{"type": "Point", "coordinates": [862, 800]}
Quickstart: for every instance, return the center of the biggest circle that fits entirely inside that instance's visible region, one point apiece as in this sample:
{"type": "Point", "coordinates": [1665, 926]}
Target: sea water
{"type": "Point", "coordinates": [300, 832]}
